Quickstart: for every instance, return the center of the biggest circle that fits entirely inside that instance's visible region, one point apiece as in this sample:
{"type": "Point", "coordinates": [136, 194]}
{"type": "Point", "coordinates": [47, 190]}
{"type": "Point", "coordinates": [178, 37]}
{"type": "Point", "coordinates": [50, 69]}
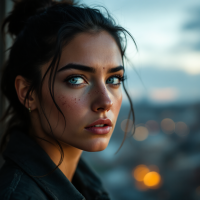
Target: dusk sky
{"type": "Point", "coordinates": [159, 28]}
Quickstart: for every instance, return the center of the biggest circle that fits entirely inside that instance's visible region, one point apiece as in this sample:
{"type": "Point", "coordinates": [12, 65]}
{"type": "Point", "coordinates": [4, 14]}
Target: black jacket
{"type": "Point", "coordinates": [25, 160]}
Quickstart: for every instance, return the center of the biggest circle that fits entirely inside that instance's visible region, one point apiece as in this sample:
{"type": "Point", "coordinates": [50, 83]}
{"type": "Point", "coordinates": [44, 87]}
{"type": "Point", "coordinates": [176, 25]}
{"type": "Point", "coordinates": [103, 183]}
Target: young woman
{"type": "Point", "coordinates": [62, 82]}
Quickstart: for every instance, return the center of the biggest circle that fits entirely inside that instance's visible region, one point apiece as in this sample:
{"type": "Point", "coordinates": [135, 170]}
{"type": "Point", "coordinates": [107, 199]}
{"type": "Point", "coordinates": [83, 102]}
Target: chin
{"type": "Point", "coordinates": [97, 145]}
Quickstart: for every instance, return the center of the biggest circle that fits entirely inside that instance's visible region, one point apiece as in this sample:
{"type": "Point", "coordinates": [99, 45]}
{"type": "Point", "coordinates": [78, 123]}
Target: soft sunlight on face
{"type": "Point", "coordinates": [86, 89]}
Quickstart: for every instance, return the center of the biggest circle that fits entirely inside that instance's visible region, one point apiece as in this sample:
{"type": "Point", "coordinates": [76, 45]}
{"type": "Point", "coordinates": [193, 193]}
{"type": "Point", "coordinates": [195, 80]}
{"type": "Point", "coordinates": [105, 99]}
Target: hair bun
{"type": "Point", "coordinates": [23, 9]}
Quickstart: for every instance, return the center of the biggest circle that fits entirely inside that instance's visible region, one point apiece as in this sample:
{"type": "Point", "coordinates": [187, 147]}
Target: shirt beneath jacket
{"type": "Point", "coordinates": [25, 160]}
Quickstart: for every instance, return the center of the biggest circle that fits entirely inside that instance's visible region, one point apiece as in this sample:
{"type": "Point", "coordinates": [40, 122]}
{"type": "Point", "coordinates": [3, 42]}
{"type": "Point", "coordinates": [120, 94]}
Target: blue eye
{"type": "Point", "coordinates": [114, 80]}
{"type": "Point", "coordinates": [76, 80]}
{"type": "Point", "coordinates": [79, 80]}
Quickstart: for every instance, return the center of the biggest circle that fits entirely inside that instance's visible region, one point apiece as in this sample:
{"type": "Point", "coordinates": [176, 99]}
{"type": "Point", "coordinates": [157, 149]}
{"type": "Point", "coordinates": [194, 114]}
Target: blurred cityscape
{"type": "Point", "coordinates": [160, 161]}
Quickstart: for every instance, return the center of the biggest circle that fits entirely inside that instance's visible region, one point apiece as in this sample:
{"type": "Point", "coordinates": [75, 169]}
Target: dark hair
{"type": "Point", "coordinates": [40, 29]}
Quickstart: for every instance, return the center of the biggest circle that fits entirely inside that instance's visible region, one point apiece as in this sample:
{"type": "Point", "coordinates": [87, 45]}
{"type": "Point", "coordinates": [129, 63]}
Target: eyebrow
{"type": "Point", "coordinates": [88, 69]}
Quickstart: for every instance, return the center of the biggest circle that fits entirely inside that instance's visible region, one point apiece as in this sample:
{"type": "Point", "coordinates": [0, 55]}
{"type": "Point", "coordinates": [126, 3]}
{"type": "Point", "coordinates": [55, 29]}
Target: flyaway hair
{"type": "Point", "coordinates": [41, 28]}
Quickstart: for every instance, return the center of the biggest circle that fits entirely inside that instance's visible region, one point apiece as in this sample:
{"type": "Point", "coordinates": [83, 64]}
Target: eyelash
{"type": "Point", "coordinates": [73, 76]}
{"type": "Point", "coordinates": [121, 79]}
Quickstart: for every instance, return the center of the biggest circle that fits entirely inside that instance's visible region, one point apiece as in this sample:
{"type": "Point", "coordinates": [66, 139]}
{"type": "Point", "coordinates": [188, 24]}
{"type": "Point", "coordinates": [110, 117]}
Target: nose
{"type": "Point", "coordinates": [102, 101]}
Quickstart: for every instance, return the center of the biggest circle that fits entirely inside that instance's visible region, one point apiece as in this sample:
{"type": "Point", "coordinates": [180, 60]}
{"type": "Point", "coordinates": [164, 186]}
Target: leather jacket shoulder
{"type": "Point", "coordinates": [24, 175]}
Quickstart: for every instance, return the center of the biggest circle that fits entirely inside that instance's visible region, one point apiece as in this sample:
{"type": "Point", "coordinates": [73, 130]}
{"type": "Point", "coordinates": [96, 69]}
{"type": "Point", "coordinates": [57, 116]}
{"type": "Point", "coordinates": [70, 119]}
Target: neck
{"type": "Point", "coordinates": [70, 159]}
{"type": "Point", "coordinates": [71, 154]}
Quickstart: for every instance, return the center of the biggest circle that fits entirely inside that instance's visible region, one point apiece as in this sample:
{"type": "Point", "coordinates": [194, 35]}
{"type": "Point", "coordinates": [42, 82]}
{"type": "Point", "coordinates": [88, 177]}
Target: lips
{"type": "Point", "coordinates": [101, 121]}
{"type": "Point", "coordinates": [100, 130]}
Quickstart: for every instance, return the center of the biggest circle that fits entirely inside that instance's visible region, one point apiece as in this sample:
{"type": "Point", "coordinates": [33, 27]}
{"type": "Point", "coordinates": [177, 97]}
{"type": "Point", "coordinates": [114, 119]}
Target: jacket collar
{"type": "Point", "coordinates": [35, 162]}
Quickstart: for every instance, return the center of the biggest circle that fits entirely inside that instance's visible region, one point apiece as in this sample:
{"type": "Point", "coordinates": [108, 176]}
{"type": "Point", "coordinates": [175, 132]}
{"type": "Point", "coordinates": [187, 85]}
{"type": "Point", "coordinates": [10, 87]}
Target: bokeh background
{"type": "Point", "coordinates": [161, 161]}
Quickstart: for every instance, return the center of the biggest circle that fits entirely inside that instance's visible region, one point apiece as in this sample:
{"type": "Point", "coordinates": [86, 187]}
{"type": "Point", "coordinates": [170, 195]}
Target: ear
{"type": "Point", "coordinates": [22, 88]}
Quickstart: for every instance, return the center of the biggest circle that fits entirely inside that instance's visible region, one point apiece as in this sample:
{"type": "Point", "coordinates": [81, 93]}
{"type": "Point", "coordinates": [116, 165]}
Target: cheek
{"type": "Point", "coordinates": [117, 101]}
{"type": "Point", "coordinates": [71, 105]}
{"type": "Point", "coordinates": [66, 102]}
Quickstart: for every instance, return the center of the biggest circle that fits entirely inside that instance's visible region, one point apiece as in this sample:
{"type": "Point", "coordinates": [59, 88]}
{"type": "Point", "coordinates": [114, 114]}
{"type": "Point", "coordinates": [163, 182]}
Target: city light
{"type": "Point", "coordinates": [145, 178]}
{"type": "Point", "coordinates": [152, 179]}
{"type": "Point", "coordinates": [139, 172]}
{"type": "Point", "coordinates": [167, 125]}
{"type": "Point", "coordinates": [141, 133]}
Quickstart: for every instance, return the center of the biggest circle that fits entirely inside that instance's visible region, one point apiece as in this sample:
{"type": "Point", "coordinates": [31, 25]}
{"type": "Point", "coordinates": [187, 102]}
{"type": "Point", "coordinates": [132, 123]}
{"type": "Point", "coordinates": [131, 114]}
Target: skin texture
{"type": "Point", "coordinates": [95, 98]}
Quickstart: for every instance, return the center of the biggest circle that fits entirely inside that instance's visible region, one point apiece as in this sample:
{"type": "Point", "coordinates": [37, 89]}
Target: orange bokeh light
{"type": "Point", "coordinates": [147, 177]}
{"type": "Point", "coordinates": [152, 179]}
{"type": "Point", "coordinates": [139, 172]}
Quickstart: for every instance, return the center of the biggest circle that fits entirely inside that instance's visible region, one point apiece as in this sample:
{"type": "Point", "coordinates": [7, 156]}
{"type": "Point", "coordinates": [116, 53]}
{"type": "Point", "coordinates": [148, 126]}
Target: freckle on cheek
{"type": "Point", "coordinates": [64, 101]}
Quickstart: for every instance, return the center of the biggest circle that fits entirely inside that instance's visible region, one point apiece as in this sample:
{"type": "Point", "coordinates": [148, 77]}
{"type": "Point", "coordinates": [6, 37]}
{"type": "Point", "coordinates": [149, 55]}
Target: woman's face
{"type": "Point", "coordinates": [87, 88]}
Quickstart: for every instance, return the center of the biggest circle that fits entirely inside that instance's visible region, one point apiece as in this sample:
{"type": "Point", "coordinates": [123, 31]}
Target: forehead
{"type": "Point", "coordinates": [92, 49]}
